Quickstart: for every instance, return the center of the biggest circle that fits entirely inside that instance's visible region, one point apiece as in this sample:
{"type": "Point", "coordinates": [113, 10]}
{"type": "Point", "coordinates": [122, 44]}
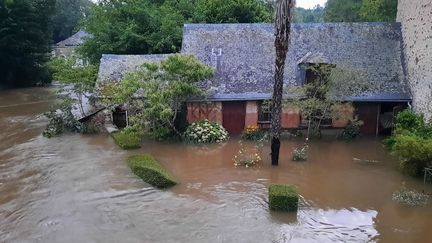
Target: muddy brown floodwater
{"type": "Point", "coordinates": [77, 188]}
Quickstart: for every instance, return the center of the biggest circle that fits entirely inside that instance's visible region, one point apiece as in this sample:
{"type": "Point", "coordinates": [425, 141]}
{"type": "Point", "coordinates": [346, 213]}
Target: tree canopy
{"type": "Point", "coordinates": [25, 37]}
{"type": "Point", "coordinates": [67, 17]}
{"type": "Point", "coordinates": [166, 86]}
{"type": "Point", "coordinates": [361, 10]}
{"type": "Point", "coordinates": [343, 11]}
{"type": "Point", "coordinates": [155, 26]}
{"type": "Point", "coordinates": [315, 15]}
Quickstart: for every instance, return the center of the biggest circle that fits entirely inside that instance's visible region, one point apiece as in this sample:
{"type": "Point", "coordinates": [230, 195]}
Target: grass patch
{"type": "Point", "coordinates": [148, 169]}
{"type": "Point", "coordinates": [127, 141]}
{"type": "Point", "coordinates": [283, 198]}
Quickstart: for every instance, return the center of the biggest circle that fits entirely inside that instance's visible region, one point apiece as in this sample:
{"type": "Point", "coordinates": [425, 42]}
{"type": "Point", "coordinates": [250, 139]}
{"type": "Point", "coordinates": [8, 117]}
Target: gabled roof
{"type": "Point", "coordinates": [243, 56]}
{"type": "Point", "coordinates": [75, 40]}
{"type": "Point", "coordinates": [113, 67]}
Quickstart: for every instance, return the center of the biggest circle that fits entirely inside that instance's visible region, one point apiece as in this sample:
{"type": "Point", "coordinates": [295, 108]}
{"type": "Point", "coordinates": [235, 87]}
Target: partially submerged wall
{"type": "Point", "coordinates": [416, 19]}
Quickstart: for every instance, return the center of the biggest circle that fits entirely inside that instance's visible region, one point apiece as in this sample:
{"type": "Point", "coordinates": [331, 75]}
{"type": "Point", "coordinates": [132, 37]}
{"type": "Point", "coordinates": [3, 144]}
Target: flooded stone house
{"type": "Point", "coordinates": [67, 47]}
{"type": "Point", "coordinates": [243, 56]}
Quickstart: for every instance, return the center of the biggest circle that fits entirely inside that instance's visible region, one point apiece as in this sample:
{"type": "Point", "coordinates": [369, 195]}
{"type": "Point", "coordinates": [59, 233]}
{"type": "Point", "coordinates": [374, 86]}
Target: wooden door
{"type": "Point", "coordinates": [234, 116]}
{"type": "Point", "coordinates": [368, 112]}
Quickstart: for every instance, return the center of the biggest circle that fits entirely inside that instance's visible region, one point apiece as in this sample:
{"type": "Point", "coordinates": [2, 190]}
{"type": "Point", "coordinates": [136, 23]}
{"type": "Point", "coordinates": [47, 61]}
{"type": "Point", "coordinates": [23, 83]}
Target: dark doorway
{"type": "Point", "coordinates": [233, 114]}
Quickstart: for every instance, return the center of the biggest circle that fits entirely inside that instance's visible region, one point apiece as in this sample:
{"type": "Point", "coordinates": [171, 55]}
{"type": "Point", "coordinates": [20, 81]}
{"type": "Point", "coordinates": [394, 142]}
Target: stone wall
{"type": "Point", "coordinates": [251, 118]}
{"type": "Point", "coordinates": [416, 19]}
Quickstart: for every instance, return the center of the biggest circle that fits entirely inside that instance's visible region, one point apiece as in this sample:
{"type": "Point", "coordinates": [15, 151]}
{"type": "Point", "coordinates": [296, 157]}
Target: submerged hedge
{"type": "Point", "coordinates": [148, 169]}
{"type": "Point", "coordinates": [126, 141]}
{"type": "Point", "coordinates": [283, 198]}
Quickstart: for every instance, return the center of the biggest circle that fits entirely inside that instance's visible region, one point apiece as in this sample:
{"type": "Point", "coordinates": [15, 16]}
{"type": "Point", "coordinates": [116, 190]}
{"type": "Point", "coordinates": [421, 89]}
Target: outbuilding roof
{"type": "Point", "coordinates": [114, 67]}
{"type": "Point", "coordinates": [75, 40]}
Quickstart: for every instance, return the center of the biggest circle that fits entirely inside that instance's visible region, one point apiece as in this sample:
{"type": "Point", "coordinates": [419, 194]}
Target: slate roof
{"type": "Point", "coordinates": [113, 67]}
{"type": "Point", "coordinates": [75, 40]}
{"type": "Point", "coordinates": [243, 56]}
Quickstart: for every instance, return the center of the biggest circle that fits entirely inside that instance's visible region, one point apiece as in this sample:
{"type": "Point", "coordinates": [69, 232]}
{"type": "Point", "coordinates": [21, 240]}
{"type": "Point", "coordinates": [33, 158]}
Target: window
{"type": "Point", "coordinates": [264, 112]}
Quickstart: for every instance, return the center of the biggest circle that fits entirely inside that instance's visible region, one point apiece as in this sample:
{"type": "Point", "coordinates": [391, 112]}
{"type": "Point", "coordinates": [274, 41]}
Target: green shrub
{"type": "Point", "coordinates": [301, 153]}
{"type": "Point", "coordinates": [252, 133]}
{"type": "Point", "coordinates": [61, 120]}
{"type": "Point", "coordinates": [352, 131]}
{"type": "Point", "coordinates": [163, 133]}
{"type": "Point", "coordinates": [283, 198]}
{"type": "Point", "coordinates": [415, 153]}
{"type": "Point", "coordinates": [127, 140]}
{"type": "Point", "coordinates": [410, 121]}
{"type": "Point", "coordinates": [205, 132]}
{"type": "Point", "coordinates": [148, 169]}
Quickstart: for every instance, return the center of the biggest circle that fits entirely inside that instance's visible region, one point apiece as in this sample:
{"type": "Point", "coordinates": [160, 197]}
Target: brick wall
{"type": "Point", "coordinates": [416, 19]}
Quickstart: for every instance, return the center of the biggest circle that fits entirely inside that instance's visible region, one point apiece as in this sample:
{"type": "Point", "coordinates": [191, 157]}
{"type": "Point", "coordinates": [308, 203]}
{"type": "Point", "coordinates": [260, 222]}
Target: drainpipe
{"type": "Point", "coordinates": [127, 118]}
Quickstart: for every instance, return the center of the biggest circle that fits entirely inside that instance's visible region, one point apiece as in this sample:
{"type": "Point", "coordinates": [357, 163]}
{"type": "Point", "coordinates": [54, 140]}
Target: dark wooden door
{"type": "Point", "coordinates": [368, 112]}
{"type": "Point", "coordinates": [234, 116]}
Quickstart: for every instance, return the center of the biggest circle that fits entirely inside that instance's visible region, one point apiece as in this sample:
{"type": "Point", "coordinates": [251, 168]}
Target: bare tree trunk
{"type": "Point", "coordinates": [283, 28]}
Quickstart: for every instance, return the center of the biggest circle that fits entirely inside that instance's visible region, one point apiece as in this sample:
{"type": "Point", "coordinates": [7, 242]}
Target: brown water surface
{"type": "Point", "coordinates": [78, 188]}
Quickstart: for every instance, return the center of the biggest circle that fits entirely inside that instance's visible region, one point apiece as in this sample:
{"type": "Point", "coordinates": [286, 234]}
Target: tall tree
{"type": "Point", "coordinates": [239, 11]}
{"type": "Point", "coordinates": [131, 27]}
{"type": "Point", "coordinates": [155, 26]}
{"type": "Point", "coordinates": [284, 14]}
{"type": "Point", "coordinates": [25, 37]}
{"type": "Point", "coordinates": [379, 10]}
{"type": "Point", "coordinates": [315, 15]}
{"type": "Point", "coordinates": [67, 17]}
{"type": "Point", "coordinates": [343, 11]}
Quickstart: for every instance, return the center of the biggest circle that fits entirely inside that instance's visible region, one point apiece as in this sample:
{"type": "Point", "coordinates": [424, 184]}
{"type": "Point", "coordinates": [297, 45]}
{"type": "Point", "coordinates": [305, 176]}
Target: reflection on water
{"type": "Point", "coordinates": [78, 189]}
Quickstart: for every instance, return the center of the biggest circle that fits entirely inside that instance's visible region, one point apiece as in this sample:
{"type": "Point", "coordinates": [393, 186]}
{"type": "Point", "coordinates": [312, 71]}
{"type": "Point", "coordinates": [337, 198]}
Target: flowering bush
{"type": "Point", "coordinates": [252, 133]}
{"type": "Point", "coordinates": [301, 153]}
{"type": "Point", "coordinates": [205, 132]}
{"type": "Point", "coordinates": [247, 157]}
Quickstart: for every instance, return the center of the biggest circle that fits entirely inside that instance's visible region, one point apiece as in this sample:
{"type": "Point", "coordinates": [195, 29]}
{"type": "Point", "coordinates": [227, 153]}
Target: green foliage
{"type": "Point", "coordinates": [25, 34]}
{"type": "Point", "coordinates": [67, 17]}
{"type": "Point", "coordinates": [320, 99]}
{"type": "Point", "coordinates": [165, 86]}
{"type": "Point", "coordinates": [361, 10]}
{"type": "Point", "coordinates": [412, 122]}
{"type": "Point", "coordinates": [205, 132]}
{"type": "Point", "coordinates": [411, 142]}
{"type": "Point", "coordinates": [127, 140]}
{"type": "Point", "coordinates": [77, 81]}
{"type": "Point", "coordinates": [131, 27]}
{"type": "Point", "coordinates": [415, 152]}
{"type": "Point", "coordinates": [379, 10]}
{"type": "Point", "coordinates": [248, 156]}
{"type": "Point", "coordinates": [283, 198]}
{"type": "Point", "coordinates": [149, 27]}
{"type": "Point", "coordinates": [148, 169]}
{"type": "Point", "coordinates": [352, 131]}
{"type": "Point", "coordinates": [238, 11]}
{"type": "Point", "coordinates": [315, 15]}
{"type": "Point", "coordinates": [410, 198]}
{"type": "Point", "coordinates": [343, 11]}
{"type": "Point", "coordinates": [252, 133]}
{"type": "Point", "coordinates": [61, 120]}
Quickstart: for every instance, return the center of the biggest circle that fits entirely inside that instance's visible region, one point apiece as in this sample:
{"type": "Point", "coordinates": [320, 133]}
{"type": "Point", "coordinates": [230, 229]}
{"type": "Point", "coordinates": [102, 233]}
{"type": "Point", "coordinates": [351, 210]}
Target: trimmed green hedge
{"type": "Point", "coordinates": [126, 141]}
{"type": "Point", "coordinates": [283, 198]}
{"type": "Point", "coordinates": [148, 169]}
